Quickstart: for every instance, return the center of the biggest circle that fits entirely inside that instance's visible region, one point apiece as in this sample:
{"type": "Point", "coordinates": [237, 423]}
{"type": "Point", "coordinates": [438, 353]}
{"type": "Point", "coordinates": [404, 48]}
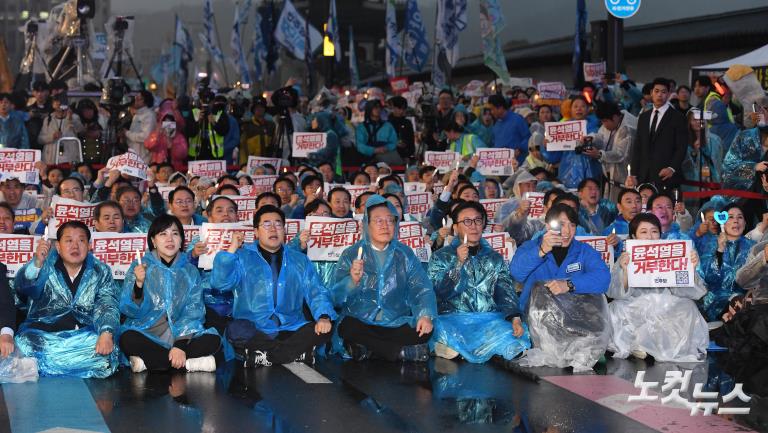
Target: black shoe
{"type": "Point", "coordinates": [255, 358]}
{"type": "Point", "coordinates": [358, 352]}
{"type": "Point", "coordinates": [307, 357]}
{"type": "Point", "coordinates": [415, 353]}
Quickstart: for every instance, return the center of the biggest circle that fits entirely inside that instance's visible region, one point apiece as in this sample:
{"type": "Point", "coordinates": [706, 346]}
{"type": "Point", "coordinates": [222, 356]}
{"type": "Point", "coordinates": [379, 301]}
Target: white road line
{"type": "Point", "coordinates": [306, 373]}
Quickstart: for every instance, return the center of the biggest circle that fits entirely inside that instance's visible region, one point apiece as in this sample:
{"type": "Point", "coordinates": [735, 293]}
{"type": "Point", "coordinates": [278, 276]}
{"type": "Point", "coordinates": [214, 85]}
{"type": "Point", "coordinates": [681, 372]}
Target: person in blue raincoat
{"type": "Point", "coordinates": [323, 121]}
{"type": "Point", "coordinates": [630, 205]}
{"type": "Point", "coordinates": [129, 199]}
{"type": "Point", "coordinates": [705, 232]}
{"type": "Point", "coordinates": [162, 301]}
{"type": "Point", "coordinates": [376, 138]}
{"type": "Point", "coordinates": [575, 167]}
{"type": "Point", "coordinates": [662, 206]}
{"type": "Point", "coordinates": [562, 298]}
{"type": "Point", "coordinates": [181, 204]}
{"type": "Point", "coordinates": [721, 261]}
{"type": "Point", "coordinates": [462, 141]}
{"type": "Point", "coordinates": [390, 302]}
{"type": "Point", "coordinates": [73, 313]}
{"type": "Point", "coordinates": [271, 283]}
{"type": "Point", "coordinates": [479, 312]}
{"type": "Point", "coordinates": [483, 127]}
{"type": "Point", "coordinates": [596, 212]}
{"type": "Point", "coordinates": [702, 164]}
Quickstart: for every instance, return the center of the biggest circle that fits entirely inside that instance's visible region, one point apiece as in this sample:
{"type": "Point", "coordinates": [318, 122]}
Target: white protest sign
{"type": "Point", "coordinates": [492, 206]}
{"type": "Point", "coordinates": [118, 250]}
{"type": "Point", "coordinates": [261, 183]}
{"type": "Point", "coordinates": [495, 162]}
{"type": "Point", "coordinates": [409, 187]}
{"type": "Point", "coordinates": [551, 90]}
{"type": "Point", "coordinates": [246, 207]}
{"type": "Point", "coordinates": [19, 164]}
{"type": "Point", "coordinates": [536, 210]}
{"type": "Point", "coordinates": [661, 263]}
{"type": "Point", "coordinates": [443, 161]}
{"type": "Point", "coordinates": [65, 209]}
{"type": "Point", "coordinates": [305, 143]}
{"type": "Point", "coordinates": [128, 163]}
{"type": "Point", "coordinates": [594, 72]}
{"type": "Point", "coordinates": [292, 228]}
{"type": "Point", "coordinates": [600, 244]}
{"type": "Point", "coordinates": [219, 238]}
{"type": "Point", "coordinates": [211, 169]}
{"type": "Point", "coordinates": [563, 136]}
{"type": "Point", "coordinates": [255, 162]}
{"type": "Point", "coordinates": [502, 243]}
{"type": "Point", "coordinates": [329, 237]}
{"type": "Point", "coordinates": [418, 203]}
{"type": "Point", "coordinates": [412, 233]}
{"type": "Point", "coordinates": [190, 232]}
{"type": "Point", "coordinates": [16, 251]}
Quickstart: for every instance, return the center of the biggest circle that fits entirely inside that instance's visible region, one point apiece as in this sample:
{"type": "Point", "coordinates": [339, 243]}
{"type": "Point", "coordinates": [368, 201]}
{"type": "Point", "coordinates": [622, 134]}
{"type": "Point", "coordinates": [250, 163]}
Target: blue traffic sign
{"type": "Point", "coordinates": [622, 8]}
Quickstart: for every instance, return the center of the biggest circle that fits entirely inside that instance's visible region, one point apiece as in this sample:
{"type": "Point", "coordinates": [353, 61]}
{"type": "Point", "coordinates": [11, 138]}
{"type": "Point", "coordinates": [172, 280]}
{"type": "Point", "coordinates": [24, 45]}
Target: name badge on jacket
{"type": "Point", "coordinates": [573, 267]}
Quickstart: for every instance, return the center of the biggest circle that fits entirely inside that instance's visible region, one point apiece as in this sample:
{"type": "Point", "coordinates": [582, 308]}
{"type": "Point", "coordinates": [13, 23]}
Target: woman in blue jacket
{"type": "Point", "coordinates": [389, 304]}
{"type": "Point", "coordinates": [377, 138]}
{"type": "Point", "coordinates": [162, 301]}
{"type": "Point", "coordinates": [479, 314]}
{"type": "Point", "coordinates": [563, 286]}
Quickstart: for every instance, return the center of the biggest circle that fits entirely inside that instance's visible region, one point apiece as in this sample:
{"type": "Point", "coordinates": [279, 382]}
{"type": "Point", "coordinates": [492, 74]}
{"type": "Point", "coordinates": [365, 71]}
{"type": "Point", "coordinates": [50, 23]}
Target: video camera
{"type": "Point", "coordinates": [285, 98]}
{"type": "Point", "coordinates": [114, 95]}
{"type": "Point", "coordinates": [587, 146]}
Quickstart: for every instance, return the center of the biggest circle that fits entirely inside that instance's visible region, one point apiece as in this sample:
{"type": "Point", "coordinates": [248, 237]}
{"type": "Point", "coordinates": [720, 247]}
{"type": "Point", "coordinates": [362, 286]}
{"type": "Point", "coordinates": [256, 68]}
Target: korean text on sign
{"type": "Point", "coordinates": [19, 164]}
{"type": "Point", "coordinates": [255, 162]}
{"type": "Point", "coordinates": [536, 209]}
{"type": "Point", "coordinates": [292, 229]}
{"type": "Point", "coordinates": [495, 162]}
{"type": "Point", "coordinates": [492, 206]}
{"type": "Point", "coordinates": [65, 209]}
{"type": "Point", "coordinates": [209, 169]}
{"type": "Point", "coordinates": [418, 203]}
{"type": "Point", "coordinates": [564, 135]}
{"type": "Point", "coordinates": [118, 250]}
{"type": "Point", "coordinates": [662, 263]}
{"type": "Point", "coordinates": [443, 161]}
{"type": "Point", "coordinates": [305, 143]}
{"type": "Point", "coordinates": [128, 163]}
{"type": "Point", "coordinates": [600, 244]}
{"type": "Point", "coordinates": [502, 243]}
{"type": "Point", "coordinates": [412, 234]}
{"type": "Point", "coordinates": [329, 237]}
{"type": "Point", "coordinates": [219, 238]}
{"type": "Point", "coordinates": [15, 251]}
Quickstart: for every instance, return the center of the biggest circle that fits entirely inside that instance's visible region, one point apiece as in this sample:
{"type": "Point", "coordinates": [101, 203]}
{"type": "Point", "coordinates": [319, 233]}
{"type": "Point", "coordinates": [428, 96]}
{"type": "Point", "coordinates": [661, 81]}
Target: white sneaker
{"type": "Point", "coordinates": [639, 354]}
{"type": "Point", "coordinates": [137, 364]}
{"type": "Point", "coordinates": [444, 351]}
{"type": "Point", "coordinates": [204, 363]}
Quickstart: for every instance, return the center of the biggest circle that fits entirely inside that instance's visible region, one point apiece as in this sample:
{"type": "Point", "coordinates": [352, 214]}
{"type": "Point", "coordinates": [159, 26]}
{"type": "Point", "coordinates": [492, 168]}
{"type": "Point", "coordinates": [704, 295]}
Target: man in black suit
{"type": "Point", "coordinates": [660, 143]}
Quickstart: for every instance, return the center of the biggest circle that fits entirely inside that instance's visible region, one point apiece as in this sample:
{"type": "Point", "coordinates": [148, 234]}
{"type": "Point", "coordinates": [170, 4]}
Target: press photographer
{"type": "Point", "coordinates": [209, 126]}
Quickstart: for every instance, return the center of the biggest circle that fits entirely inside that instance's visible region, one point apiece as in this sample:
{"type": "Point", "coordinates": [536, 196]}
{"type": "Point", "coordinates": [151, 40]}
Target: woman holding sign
{"type": "Point", "coordinates": [162, 301]}
{"type": "Point", "coordinates": [479, 313]}
{"type": "Point", "coordinates": [727, 256]}
{"type": "Point", "coordinates": [390, 302]}
{"type": "Point", "coordinates": [662, 322]}
{"type": "Point", "coordinates": [563, 286]}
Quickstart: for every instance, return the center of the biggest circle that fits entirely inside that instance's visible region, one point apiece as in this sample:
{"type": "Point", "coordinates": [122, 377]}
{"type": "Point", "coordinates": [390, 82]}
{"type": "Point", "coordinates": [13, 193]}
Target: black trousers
{"type": "Point", "coordinates": [384, 342]}
{"type": "Point", "coordinates": [214, 320]}
{"type": "Point", "coordinates": [286, 346]}
{"type": "Point", "coordinates": [155, 356]}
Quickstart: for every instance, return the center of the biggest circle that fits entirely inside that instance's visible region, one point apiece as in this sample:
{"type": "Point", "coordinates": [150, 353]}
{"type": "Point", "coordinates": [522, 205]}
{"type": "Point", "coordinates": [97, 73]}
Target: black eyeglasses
{"type": "Point", "coordinates": [468, 222]}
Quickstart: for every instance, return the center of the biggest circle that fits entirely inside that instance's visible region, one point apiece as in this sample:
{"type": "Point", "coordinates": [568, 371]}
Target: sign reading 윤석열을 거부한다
{"type": "Point", "coordinates": [622, 8]}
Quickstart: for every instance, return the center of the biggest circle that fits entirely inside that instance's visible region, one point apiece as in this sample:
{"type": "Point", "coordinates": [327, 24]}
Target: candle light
{"type": "Point", "coordinates": [465, 238]}
{"type": "Point", "coordinates": [317, 191]}
{"type": "Point", "coordinates": [359, 253]}
{"type": "Point", "coordinates": [138, 257]}
{"type": "Point", "coordinates": [702, 218]}
{"type": "Point", "coordinates": [45, 234]}
{"type": "Point", "coordinates": [629, 170]}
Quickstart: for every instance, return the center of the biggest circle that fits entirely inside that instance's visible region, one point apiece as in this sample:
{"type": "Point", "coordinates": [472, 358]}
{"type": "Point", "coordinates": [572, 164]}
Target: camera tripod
{"type": "Point", "coordinates": [25, 76]}
{"type": "Point", "coordinates": [119, 27]}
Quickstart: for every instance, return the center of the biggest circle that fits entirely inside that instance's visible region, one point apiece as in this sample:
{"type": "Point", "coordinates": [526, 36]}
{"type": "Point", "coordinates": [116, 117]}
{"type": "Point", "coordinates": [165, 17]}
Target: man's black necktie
{"type": "Point", "coordinates": [654, 122]}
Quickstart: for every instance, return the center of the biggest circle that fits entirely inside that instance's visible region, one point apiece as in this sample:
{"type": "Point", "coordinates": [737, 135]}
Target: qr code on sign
{"type": "Point", "coordinates": [681, 278]}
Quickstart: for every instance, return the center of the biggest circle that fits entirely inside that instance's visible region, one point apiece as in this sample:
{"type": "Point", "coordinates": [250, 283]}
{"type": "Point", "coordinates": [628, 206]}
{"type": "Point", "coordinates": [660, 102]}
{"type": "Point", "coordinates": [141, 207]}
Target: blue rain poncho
{"type": "Point", "coordinates": [172, 295]}
{"type": "Point", "coordinates": [621, 227]}
{"type": "Point", "coordinates": [139, 224]}
{"type": "Point", "coordinates": [606, 213]}
{"type": "Point", "coordinates": [330, 153]}
{"type": "Point", "coordinates": [663, 322]}
{"type": "Point", "coordinates": [396, 294]}
{"type": "Point", "coordinates": [675, 234]}
{"type": "Point", "coordinates": [569, 329]}
{"type": "Point", "coordinates": [739, 163]}
{"type": "Point", "coordinates": [474, 300]}
{"type": "Point", "coordinates": [712, 156]}
{"type": "Point", "coordinates": [325, 270]}
{"type": "Point", "coordinates": [94, 305]}
{"type": "Point", "coordinates": [721, 277]}
{"type": "Point", "coordinates": [219, 301]}
{"type": "Point", "coordinates": [249, 276]}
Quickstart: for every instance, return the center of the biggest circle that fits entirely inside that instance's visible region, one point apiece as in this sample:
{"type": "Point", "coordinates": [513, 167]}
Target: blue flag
{"type": "Point", "coordinates": [393, 42]}
{"type": "Point", "coordinates": [209, 37]}
{"type": "Point", "coordinates": [491, 24]}
{"type": "Point", "coordinates": [354, 74]}
{"type": "Point", "coordinates": [332, 30]}
{"type": "Point", "coordinates": [416, 43]}
{"type": "Point", "coordinates": [258, 49]}
{"type": "Point", "coordinates": [235, 43]}
{"type": "Point", "coordinates": [451, 20]}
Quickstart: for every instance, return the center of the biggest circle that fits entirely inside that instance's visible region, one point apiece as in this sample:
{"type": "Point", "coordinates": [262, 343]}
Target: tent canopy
{"type": "Point", "coordinates": [756, 58]}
